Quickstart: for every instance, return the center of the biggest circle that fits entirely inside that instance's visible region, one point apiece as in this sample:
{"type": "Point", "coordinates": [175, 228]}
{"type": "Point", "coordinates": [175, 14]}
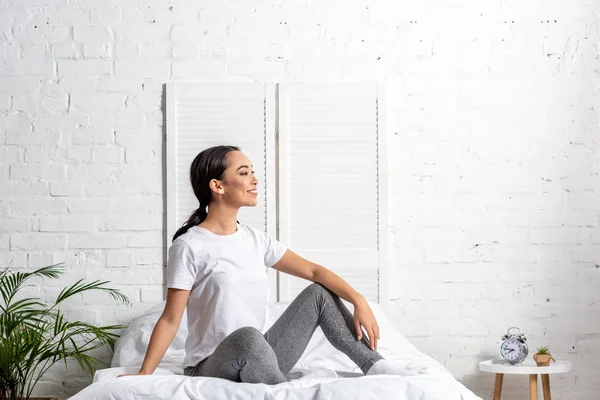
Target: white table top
{"type": "Point", "coordinates": [528, 367]}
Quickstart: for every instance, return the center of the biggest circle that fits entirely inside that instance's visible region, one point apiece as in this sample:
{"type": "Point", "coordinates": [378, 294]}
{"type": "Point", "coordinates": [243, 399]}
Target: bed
{"type": "Point", "coordinates": [321, 373]}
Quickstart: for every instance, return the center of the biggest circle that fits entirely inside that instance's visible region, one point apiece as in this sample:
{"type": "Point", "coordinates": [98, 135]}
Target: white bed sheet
{"type": "Point", "coordinates": [321, 373]}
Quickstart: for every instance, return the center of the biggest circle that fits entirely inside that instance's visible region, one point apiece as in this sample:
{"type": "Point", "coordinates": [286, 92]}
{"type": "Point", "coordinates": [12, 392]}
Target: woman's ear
{"type": "Point", "coordinates": [216, 186]}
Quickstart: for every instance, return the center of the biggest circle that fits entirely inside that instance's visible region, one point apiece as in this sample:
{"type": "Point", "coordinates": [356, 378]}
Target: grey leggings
{"type": "Point", "coordinates": [247, 356]}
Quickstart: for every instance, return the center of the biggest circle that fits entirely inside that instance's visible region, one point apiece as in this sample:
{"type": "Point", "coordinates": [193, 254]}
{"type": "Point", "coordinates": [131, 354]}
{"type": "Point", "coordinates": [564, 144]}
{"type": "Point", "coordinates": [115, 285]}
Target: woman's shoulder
{"type": "Point", "coordinates": [246, 227]}
{"type": "Point", "coordinates": [252, 230]}
{"type": "Point", "coordinates": [189, 239]}
{"type": "Point", "coordinates": [190, 245]}
{"type": "Point", "coordinates": [259, 236]}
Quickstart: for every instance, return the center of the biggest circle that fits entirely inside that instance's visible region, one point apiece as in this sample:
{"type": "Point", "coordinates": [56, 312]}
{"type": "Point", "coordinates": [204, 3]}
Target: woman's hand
{"type": "Point", "coordinates": [363, 316]}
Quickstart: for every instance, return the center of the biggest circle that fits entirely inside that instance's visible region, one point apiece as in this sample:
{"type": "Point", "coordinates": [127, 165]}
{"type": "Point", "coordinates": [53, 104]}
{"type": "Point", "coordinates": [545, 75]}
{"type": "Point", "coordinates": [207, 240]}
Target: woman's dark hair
{"type": "Point", "coordinates": [209, 164]}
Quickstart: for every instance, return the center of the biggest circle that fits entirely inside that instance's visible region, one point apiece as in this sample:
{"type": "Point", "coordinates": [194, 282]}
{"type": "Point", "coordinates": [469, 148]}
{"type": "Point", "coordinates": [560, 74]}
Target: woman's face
{"type": "Point", "coordinates": [239, 183]}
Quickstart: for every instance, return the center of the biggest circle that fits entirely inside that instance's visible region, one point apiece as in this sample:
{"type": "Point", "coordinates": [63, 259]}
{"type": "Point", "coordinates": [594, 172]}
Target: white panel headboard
{"type": "Point", "coordinates": [329, 194]}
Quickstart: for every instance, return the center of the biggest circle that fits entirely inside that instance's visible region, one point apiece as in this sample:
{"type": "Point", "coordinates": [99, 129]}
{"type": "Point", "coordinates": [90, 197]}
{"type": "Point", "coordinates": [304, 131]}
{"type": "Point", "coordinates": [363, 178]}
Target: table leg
{"type": "Point", "coordinates": [498, 386]}
{"type": "Point", "coordinates": [546, 386]}
{"type": "Point", "coordinates": [533, 387]}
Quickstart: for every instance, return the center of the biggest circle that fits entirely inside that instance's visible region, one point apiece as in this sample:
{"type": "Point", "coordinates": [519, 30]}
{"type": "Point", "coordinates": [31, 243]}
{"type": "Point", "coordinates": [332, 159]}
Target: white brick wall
{"type": "Point", "coordinates": [494, 162]}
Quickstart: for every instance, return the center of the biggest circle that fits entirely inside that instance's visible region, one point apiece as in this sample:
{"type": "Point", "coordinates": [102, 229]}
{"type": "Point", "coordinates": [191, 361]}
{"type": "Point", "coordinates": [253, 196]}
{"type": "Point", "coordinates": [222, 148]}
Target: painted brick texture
{"type": "Point", "coordinates": [494, 169]}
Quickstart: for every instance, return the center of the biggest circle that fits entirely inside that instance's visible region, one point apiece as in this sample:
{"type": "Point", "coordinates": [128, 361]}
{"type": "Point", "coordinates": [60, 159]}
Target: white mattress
{"type": "Point", "coordinates": [321, 373]}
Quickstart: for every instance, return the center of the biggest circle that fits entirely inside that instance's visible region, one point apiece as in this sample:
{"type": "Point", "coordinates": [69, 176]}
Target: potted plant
{"type": "Point", "coordinates": [542, 357]}
{"type": "Point", "coordinates": [34, 336]}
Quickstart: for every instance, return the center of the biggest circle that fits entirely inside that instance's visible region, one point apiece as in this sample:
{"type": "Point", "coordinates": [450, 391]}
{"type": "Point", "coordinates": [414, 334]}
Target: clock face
{"type": "Point", "coordinates": [512, 350]}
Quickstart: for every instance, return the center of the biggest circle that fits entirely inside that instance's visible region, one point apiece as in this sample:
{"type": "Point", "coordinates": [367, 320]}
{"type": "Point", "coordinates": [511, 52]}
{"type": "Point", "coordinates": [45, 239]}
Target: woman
{"type": "Point", "coordinates": [216, 268]}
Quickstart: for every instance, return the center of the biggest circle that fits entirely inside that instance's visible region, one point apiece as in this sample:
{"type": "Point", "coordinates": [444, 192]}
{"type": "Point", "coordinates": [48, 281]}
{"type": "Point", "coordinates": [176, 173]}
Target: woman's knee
{"type": "Point", "coordinates": [248, 338]}
{"type": "Point", "coordinates": [316, 289]}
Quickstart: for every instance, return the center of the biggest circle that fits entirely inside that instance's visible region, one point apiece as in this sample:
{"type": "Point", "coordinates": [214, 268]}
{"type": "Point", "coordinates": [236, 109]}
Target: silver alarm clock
{"type": "Point", "coordinates": [514, 347]}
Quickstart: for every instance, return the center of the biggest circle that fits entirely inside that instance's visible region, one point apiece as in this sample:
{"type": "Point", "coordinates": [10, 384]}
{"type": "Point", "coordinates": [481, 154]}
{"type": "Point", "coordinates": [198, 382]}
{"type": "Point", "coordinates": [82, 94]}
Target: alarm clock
{"type": "Point", "coordinates": [513, 348]}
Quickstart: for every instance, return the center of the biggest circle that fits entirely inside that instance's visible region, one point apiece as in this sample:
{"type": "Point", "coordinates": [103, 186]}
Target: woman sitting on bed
{"type": "Point", "coordinates": [216, 268]}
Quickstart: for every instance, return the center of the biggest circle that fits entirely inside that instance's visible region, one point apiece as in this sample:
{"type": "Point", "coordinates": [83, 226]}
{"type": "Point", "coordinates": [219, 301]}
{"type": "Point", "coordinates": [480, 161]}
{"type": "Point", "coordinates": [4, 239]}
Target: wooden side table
{"type": "Point", "coordinates": [529, 367]}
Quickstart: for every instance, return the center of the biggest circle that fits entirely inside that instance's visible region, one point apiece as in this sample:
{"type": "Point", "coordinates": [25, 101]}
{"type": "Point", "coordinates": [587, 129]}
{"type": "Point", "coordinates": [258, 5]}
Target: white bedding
{"type": "Point", "coordinates": [321, 373]}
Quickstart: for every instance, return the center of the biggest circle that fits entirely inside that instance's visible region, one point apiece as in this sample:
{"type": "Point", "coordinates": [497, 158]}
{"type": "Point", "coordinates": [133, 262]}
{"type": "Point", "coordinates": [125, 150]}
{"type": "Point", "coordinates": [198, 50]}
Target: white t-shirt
{"type": "Point", "coordinates": [227, 276]}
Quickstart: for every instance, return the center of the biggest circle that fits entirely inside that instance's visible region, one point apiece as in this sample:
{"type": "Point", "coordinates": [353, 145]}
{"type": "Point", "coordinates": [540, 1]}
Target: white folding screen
{"type": "Point", "coordinates": [324, 143]}
{"type": "Point", "coordinates": [331, 200]}
{"type": "Point", "coordinates": [201, 115]}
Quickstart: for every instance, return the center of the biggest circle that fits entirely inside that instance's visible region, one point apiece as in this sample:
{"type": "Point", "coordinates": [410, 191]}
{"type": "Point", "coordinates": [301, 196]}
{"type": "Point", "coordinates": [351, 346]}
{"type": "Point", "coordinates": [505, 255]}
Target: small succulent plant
{"type": "Point", "coordinates": [543, 350]}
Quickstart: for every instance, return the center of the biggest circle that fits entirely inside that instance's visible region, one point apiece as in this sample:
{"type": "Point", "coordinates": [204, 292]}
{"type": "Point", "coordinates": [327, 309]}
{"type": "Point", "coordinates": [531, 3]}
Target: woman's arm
{"type": "Point", "coordinates": [291, 263]}
{"type": "Point", "coordinates": [164, 330]}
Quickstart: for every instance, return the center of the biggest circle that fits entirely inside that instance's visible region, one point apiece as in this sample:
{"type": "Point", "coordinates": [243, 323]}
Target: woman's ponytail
{"type": "Point", "coordinates": [196, 218]}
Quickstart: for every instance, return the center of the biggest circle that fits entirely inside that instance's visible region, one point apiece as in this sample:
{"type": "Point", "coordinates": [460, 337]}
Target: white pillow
{"type": "Point", "coordinates": [130, 348]}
